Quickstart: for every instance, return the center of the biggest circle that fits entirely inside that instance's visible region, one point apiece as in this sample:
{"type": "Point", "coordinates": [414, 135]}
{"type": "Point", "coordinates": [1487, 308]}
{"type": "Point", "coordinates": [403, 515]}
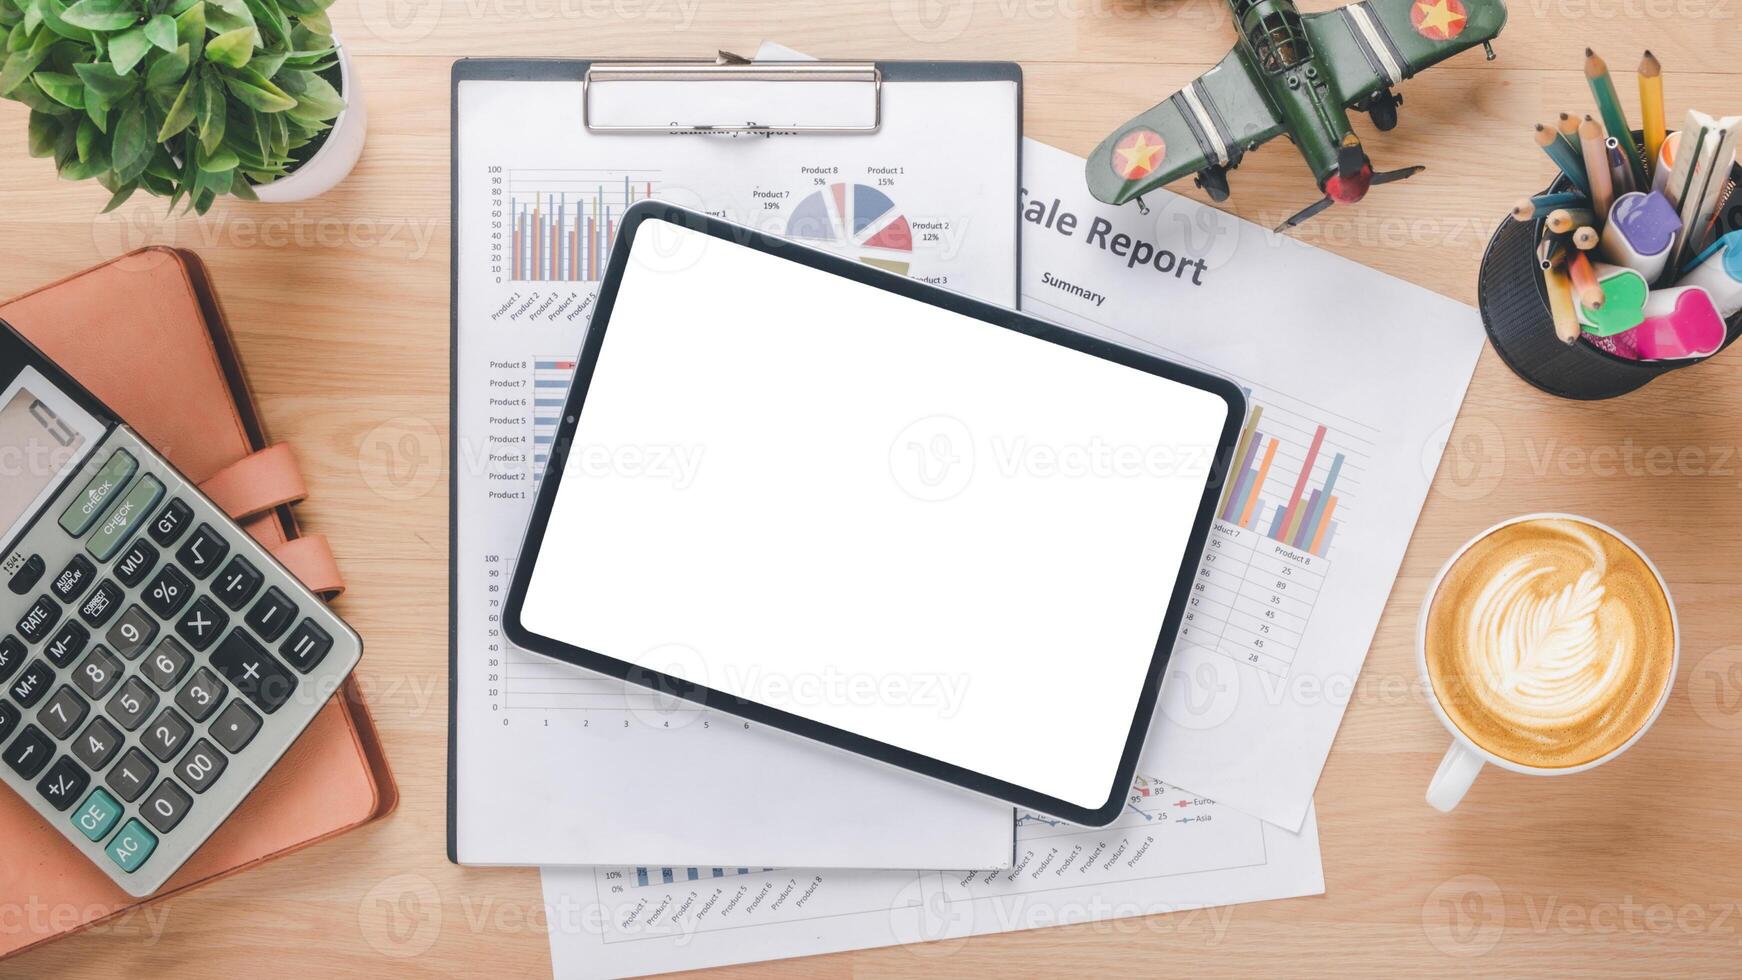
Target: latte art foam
{"type": "Point", "coordinates": [1550, 642]}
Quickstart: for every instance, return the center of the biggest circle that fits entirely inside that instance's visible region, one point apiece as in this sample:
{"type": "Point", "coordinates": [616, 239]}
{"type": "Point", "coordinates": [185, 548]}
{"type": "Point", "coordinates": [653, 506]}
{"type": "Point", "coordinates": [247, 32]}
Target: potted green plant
{"type": "Point", "coordinates": [187, 99]}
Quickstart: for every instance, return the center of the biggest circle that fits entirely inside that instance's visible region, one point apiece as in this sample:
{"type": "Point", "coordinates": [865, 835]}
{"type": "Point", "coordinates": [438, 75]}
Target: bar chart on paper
{"type": "Point", "coordinates": [563, 222]}
{"type": "Point", "coordinates": [1291, 487]}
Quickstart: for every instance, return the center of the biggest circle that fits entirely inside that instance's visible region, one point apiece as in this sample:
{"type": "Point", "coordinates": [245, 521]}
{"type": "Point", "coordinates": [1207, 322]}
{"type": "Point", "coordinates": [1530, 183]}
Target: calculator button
{"type": "Point", "coordinates": [170, 522]}
{"type": "Point", "coordinates": [28, 574]}
{"type": "Point", "coordinates": [131, 775]}
{"type": "Point", "coordinates": [64, 784]}
{"type": "Point", "coordinates": [135, 563]}
{"type": "Point", "coordinates": [166, 806]}
{"type": "Point", "coordinates": [123, 518]}
{"type": "Point", "coordinates": [131, 632]}
{"type": "Point", "coordinates": [28, 753]}
{"type": "Point", "coordinates": [202, 766]}
{"type": "Point", "coordinates": [67, 644]}
{"type": "Point", "coordinates": [62, 713]}
{"type": "Point", "coordinates": [97, 815]}
{"type": "Point", "coordinates": [73, 579]}
{"type": "Point", "coordinates": [167, 664]}
{"type": "Point", "coordinates": [202, 552]}
{"type": "Point", "coordinates": [11, 657]}
{"type": "Point", "coordinates": [102, 604]}
{"type": "Point", "coordinates": [306, 646]}
{"type": "Point", "coordinates": [165, 736]}
{"type": "Point", "coordinates": [10, 716]}
{"type": "Point", "coordinates": [201, 696]}
{"type": "Point", "coordinates": [168, 592]}
{"type": "Point", "coordinates": [257, 676]}
{"type": "Point", "coordinates": [88, 505]}
{"type": "Point", "coordinates": [131, 704]}
{"type": "Point", "coordinates": [41, 617]}
{"type": "Point", "coordinates": [31, 685]}
{"type": "Point", "coordinates": [97, 673]}
{"type": "Point", "coordinates": [202, 623]}
{"type": "Point", "coordinates": [98, 743]}
{"type": "Point", "coordinates": [271, 616]}
{"type": "Point", "coordinates": [235, 727]}
{"type": "Point", "coordinates": [131, 847]}
{"type": "Point", "coordinates": [237, 583]}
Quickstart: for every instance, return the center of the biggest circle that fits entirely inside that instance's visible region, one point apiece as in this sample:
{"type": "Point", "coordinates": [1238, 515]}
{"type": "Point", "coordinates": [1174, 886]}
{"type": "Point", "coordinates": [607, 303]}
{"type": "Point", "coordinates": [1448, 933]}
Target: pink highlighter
{"type": "Point", "coordinates": [1680, 323]}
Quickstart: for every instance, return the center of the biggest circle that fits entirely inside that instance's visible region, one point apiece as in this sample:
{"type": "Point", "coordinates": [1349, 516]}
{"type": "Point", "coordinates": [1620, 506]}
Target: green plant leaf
{"type": "Point", "coordinates": [167, 70]}
{"type": "Point", "coordinates": [228, 15]}
{"type": "Point", "coordinates": [257, 93]}
{"type": "Point", "coordinates": [32, 17]}
{"type": "Point", "coordinates": [99, 76]}
{"type": "Point", "coordinates": [72, 168]}
{"type": "Point", "coordinates": [316, 99]}
{"type": "Point", "coordinates": [181, 113]}
{"type": "Point", "coordinates": [190, 29]}
{"type": "Point", "coordinates": [214, 112]}
{"type": "Point", "coordinates": [127, 49]}
{"type": "Point", "coordinates": [120, 196]}
{"type": "Point", "coordinates": [275, 24]}
{"type": "Point", "coordinates": [19, 64]}
{"type": "Point", "coordinates": [102, 15]}
{"type": "Point", "coordinates": [160, 30]}
{"type": "Point", "coordinates": [97, 109]}
{"type": "Point", "coordinates": [267, 63]}
{"type": "Point", "coordinates": [65, 89]}
{"type": "Point", "coordinates": [132, 143]}
{"type": "Point", "coordinates": [221, 158]}
{"type": "Point", "coordinates": [232, 48]}
{"type": "Point", "coordinates": [44, 131]}
{"type": "Point", "coordinates": [87, 133]}
{"type": "Point", "coordinates": [53, 12]}
{"type": "Point", "coordinates": [317, 24]}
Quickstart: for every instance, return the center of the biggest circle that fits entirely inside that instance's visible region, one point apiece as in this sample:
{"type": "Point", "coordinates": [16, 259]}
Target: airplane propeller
{"type": "Point", "coordinates": [1385, 177]}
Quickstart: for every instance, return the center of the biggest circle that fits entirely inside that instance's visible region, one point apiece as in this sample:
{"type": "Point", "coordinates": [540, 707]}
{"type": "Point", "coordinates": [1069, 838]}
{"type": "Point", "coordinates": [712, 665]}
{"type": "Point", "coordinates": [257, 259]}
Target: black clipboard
{"type": "Point", "coordinates": [582, 70]}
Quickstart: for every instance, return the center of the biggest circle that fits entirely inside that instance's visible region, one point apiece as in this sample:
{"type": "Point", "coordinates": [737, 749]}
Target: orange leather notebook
{"type": "Point", "coordinates": [130, 330]}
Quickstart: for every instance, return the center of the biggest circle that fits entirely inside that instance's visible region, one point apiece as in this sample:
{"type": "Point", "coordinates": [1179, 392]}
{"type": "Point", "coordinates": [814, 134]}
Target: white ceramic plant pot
{"type": "Point", "coordinates": [334, 160]}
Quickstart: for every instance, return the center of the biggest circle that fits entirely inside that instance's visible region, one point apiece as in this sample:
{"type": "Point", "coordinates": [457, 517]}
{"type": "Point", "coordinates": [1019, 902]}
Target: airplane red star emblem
{"type": "Point", "coordinates": [1138, 154]}
{"type": "Point", "coordinates": [1438, 20]}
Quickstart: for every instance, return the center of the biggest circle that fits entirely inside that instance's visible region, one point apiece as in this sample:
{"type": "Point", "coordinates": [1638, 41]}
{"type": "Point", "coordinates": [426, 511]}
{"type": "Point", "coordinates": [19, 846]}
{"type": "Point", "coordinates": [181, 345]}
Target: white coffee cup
{"type": "Point", "coordinates": [1464, 759]}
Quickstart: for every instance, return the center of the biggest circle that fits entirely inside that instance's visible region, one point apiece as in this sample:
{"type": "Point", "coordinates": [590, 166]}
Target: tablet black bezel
{"type": "Point", "coordinates": [587, 362]}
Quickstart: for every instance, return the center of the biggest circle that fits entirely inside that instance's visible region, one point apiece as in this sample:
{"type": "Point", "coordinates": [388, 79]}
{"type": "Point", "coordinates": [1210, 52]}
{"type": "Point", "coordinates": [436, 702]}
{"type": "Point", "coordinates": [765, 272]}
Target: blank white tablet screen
{"type": "Point", "coordinates": [873, 513]}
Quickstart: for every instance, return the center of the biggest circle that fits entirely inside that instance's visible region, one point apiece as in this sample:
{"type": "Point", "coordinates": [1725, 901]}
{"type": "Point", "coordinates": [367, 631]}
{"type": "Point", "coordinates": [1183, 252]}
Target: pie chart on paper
{"type": "Point", "coordinates": [858, 221]}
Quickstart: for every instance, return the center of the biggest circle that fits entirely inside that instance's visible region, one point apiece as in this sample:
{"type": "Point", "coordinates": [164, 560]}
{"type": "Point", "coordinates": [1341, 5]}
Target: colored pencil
{"type": "Point", "coordinates": [1564, 158]}
{"type": "Point", "coordinates": [1562, 221]}
{"type": "Point", "coordinates": [1559, 199]}
{"type": "Point", "coordinates": [1597, 166]}
{"type": "Point", "coordinates": [1614, 120]}
{"type": "Point", "coordinates": [1585, 285]}
{"type": "Point", "coordinates": [1524, 210]}
{"type": "Point", "coordinates": [1585, 238]}
{"type": "Point", "coordinates": [1560, 305]}
{"type": "Point", "coordinates": [1619, 175]}
{"type": "Point", "coordinates": [1651, 110]}
{"type": "Point", "coordinates": [1568, 129]}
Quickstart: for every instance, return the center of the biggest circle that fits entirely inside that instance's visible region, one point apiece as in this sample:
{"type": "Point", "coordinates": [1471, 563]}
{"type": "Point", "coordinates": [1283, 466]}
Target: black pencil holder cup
{"type": "Point", "coordinates": [1515, 312]}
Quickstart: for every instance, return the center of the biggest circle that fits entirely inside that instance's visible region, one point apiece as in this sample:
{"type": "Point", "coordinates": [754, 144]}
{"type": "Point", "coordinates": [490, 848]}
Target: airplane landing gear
{"type": "Point", "coordinates": [1382, 109]}
{"type": "Point", "coordinates": [1214, 180]}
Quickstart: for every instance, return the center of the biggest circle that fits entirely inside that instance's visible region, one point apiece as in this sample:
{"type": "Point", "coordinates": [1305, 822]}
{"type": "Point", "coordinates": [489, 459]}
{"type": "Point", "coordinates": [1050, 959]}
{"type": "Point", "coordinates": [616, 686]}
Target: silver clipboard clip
{"type": "Point", "coordinates": [858, 109]}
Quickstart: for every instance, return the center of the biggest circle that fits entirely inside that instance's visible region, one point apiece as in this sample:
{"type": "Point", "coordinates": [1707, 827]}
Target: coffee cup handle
{"type": "Point", "coordinates": [1456, 774]}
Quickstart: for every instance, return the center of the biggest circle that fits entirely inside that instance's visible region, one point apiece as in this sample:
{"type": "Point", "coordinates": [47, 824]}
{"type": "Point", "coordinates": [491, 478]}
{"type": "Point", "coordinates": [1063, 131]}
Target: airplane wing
{"type": "Point", "coordinates": [1375, 43]}
{"type": "Point", "coordinates": [1214, 120]}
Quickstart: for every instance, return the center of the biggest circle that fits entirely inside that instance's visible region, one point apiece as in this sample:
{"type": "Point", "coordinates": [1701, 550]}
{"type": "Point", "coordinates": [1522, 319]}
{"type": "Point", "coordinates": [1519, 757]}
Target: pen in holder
{"type": "Point", "coordinates": [1515, 312]}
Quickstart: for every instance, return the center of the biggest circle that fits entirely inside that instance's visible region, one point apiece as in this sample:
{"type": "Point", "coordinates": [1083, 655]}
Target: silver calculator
{"type": "Point", "coordinates": [155, 660]}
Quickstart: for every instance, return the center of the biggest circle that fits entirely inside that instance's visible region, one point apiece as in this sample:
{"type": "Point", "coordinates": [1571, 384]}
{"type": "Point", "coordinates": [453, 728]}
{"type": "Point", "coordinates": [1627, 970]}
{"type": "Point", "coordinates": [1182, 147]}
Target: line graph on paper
{"type": "Point", "coordinates": [1295, 484]}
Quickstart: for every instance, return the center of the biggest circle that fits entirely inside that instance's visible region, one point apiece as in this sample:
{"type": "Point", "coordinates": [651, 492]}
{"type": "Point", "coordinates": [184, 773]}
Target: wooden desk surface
{"type": "Point", "coordinates": [341, 310]}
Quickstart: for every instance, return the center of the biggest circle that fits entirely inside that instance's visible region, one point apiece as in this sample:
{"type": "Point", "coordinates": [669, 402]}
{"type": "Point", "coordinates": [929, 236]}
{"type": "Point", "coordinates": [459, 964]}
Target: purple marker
{"type": "Point", "coordinates": [1641, 233]}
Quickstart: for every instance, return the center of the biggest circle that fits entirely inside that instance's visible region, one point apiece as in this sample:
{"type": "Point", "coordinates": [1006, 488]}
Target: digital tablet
{"type": "Point", "coordinates": [823, 497]}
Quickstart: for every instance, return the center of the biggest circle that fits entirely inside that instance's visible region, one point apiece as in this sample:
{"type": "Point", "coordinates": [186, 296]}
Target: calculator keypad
{"type": "Point", "coordinates": [155, 662]}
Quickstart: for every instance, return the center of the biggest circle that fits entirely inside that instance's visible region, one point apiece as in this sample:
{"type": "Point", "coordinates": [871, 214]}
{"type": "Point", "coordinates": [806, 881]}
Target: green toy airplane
{"type": "Point", "coordinates": [1296, 74]}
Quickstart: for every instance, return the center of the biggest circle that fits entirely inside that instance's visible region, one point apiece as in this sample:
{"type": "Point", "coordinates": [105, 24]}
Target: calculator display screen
{"type": "Point", "coordinates": [43, 435]}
